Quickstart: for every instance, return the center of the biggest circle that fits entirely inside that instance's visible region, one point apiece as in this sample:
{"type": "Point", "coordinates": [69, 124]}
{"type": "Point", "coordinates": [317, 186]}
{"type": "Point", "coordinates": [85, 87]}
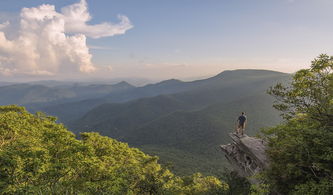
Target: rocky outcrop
{"type": "Point", "coordinates": [246, 154]}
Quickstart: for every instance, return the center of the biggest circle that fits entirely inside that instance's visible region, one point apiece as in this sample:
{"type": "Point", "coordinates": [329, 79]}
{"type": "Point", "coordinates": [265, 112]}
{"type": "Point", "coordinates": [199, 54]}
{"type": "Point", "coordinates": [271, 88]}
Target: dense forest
{"type": "Point", "coordinates": [301, 148]}
{"type": "Point", "coordinates": [39, 156]}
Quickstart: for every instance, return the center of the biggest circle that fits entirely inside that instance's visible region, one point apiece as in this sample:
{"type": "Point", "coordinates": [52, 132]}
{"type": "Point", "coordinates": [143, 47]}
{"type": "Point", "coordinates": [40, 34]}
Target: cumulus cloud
{"type": "Point", "coordinates": [51, 42]}
{"type": "Point", "coordinates": [77, 16]}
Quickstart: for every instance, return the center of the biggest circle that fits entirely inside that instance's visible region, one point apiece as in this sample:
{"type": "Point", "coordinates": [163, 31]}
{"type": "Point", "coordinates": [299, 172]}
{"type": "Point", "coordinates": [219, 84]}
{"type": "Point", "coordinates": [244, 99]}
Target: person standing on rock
{"type": "Point", "coordinates": [241, 124]}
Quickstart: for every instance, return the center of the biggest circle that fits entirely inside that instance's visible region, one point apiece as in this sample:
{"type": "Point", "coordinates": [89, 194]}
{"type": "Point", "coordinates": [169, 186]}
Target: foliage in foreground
{"type": "Point", "coordinates": [301, 149]}
{"type": "Point", "coordinates": [237, 184]}
{"type": "Point", "coordinates": [39, 156]}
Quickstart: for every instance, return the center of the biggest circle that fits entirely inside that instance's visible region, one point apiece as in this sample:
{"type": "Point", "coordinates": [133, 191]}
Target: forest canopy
{"type": "Point", "coordinates": [39, 156]}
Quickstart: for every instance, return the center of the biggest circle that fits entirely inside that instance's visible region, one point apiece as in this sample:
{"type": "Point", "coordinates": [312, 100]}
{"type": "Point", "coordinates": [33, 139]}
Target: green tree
{"type": "Point", "coordinates": [310, 92]}
{"type": "Point", "coordinates": [39, 156]}
{"type": "Point", "coordinates": [237, 185]}
{"type": "Point", "coordinates": [301, 148]}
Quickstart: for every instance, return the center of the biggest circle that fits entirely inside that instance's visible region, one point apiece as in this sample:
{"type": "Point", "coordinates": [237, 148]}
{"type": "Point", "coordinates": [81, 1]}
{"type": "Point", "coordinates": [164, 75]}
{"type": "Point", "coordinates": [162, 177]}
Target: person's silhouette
{"type": "Point", "coordinates": [241, 124]}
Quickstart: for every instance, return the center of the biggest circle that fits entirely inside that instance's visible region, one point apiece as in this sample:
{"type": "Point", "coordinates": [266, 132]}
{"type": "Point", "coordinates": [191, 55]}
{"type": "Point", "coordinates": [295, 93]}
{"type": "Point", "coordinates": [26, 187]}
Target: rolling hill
{"type": "Point", "coordinates": [27, 94]}
{"type": "Point", "coordinates": [189, 123]}
{"type": "Point", "coordinates": [37, 96]}
{"type": "Point", "coordinates": [228, 80]}
{"type": "Point", "coordinates": [73, 110]}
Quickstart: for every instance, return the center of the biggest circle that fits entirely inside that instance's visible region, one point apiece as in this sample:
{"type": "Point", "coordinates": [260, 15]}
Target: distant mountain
{"type": "Point", "coordinates": [4, 83]}
{"type": "Point", "coordinates": [98, 90]}
{"type": "Point", "coordinates": [52, 83]}
{"type": "Point", "coordinates": [37, 95]}
{"type": "Point", "coordinates": [92, 81]}
{"type": "Point", "coordinates": [228, 80]}
{"type": "Point", "coordinates": [24, 93]}
{"type": "Point", "coordinates": [75, 109]}
{"type": "Point", "coordinates": [128, 115]}
{"type": "Point", "coordinates": [193, 120]}
{"type": "Point", "coordinates": [222, 88]}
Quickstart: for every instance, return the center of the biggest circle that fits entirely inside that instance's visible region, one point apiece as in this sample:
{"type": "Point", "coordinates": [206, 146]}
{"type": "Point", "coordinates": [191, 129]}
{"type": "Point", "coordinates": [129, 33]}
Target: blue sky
{"type": "Point", "coordinates": [193, 38]}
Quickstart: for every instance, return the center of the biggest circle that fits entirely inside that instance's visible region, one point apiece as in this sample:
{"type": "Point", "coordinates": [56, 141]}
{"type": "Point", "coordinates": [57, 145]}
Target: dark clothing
{"type": "Point", "coordinates": [242, 119]}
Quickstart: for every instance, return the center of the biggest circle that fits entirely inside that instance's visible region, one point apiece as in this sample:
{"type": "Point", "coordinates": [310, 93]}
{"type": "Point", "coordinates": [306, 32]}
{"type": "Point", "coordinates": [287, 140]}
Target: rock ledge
{"type": "Point", "coordinates": [246, 154]}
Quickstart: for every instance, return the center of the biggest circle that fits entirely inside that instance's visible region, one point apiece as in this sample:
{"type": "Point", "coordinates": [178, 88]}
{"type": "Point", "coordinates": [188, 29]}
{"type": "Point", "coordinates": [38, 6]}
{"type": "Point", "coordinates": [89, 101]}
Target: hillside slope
{"type": "Point", "coordinates": [75, 109]}
{"type": "Point", "coordinates": [191, 122]}
{"type": "Point", "coordinates": [228, 80]}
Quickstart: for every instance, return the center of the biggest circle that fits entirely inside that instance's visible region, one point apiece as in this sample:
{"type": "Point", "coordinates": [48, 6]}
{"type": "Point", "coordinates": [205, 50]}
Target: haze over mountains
{"type": "Point", "coordinates": [182, 122]}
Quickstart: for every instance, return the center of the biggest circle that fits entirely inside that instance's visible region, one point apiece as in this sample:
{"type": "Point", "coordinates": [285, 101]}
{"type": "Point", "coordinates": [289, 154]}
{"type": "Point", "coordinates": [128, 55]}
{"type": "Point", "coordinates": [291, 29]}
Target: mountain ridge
{"type": "Point", "coordinates": [194, 127]}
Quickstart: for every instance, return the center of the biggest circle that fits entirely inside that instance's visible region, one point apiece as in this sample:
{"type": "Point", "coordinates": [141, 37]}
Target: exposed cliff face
{"type": "Point", "coordinates": [246, 154]}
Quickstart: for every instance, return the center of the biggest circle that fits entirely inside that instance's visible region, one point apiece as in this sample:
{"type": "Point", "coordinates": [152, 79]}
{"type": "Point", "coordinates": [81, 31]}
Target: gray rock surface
{"type": "Point", "coordinates": [246, 154]}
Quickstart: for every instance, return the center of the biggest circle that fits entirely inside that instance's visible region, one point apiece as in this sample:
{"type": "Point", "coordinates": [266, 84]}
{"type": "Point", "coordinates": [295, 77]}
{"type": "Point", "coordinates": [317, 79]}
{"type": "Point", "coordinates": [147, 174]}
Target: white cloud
{"type": "Point", "coordinates": [77, 16]}
{"type": "Point", "coordinates": [100, 47]}
{"type": "Point", "coordinates": [51, 42]}
{"type": "Point", "coordinates": [4, 25]}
